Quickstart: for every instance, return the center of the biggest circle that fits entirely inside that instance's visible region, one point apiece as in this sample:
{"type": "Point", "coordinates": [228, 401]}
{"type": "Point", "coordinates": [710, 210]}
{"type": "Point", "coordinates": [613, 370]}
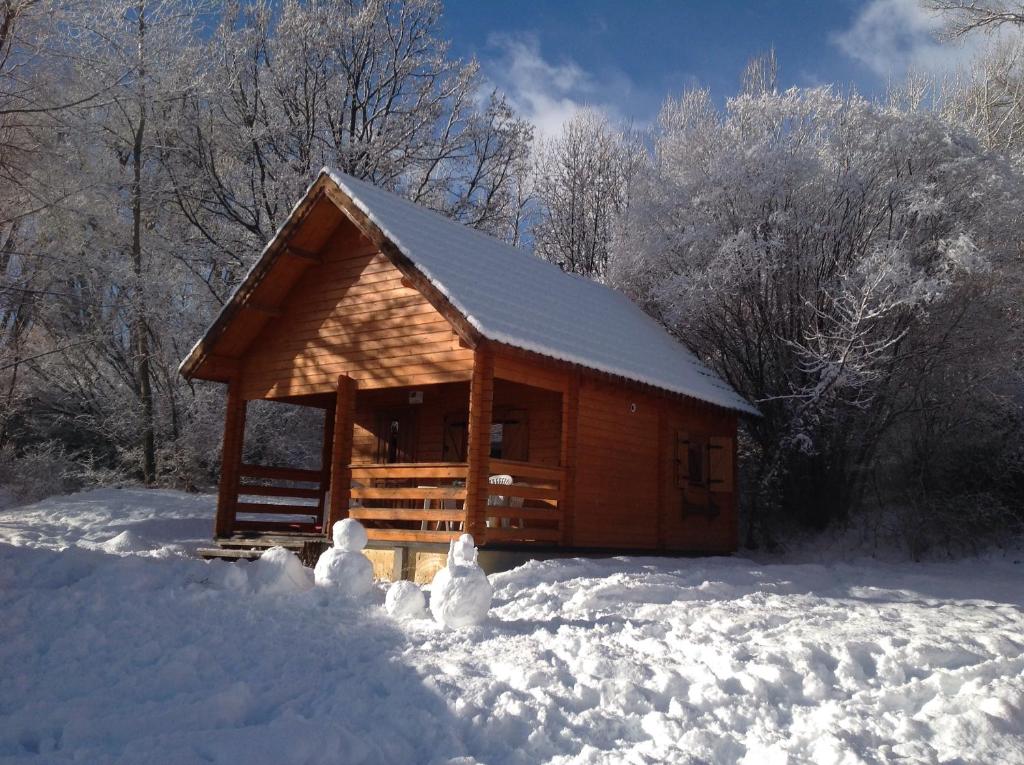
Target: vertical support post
{"type": "Point", "coordinates": [325, 460]}
{"type": "Point", "coordinates": [398, 564]}
{"type": "Point", "coordinates": [567, 458]}
{"type": "Point", "coordinates": [478, 448]}
{"type": "Point", "coordinates": [341, 451]}
{"type": "Point", "coordinates": [230, 459]}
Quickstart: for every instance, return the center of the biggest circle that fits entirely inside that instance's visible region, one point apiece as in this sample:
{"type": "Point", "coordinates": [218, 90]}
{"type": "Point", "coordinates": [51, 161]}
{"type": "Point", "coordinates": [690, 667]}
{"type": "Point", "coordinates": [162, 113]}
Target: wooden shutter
{"type": "Point", "coordinates": [455, 436]}
{"type": "Point", "coordinates": [682, 459]}
{"type": "Point", "coordinates": [515, 444]}
{"type": "Point", "coordinates": [720, 469]}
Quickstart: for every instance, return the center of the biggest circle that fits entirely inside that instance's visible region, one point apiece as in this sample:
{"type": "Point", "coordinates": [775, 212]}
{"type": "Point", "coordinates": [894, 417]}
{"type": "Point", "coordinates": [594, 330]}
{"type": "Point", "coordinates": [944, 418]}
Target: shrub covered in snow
{"type": "Point", "coordinates": [460, 594]}
{"type": "Point", "coordinates": [405, 600]}
{"type": "Point", "coordinates": [343, 567]}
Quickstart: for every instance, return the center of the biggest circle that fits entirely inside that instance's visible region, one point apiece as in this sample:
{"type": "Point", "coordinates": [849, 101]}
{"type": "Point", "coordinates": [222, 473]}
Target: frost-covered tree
{"type": "Point", "coordinates": [964, 17]}
{"type": "Point", "coordinates": [366, 87]}
{"type": "Point", "coordinates": [105, 287]}
{"type": "Point", "coordinates": [828, 256]}
{"type": "Point", "coordinates": [761, 74]}
{"type": "Point", "coordinates": [175, 138]}
{"type": "Point", "coordinates": [582, 180]}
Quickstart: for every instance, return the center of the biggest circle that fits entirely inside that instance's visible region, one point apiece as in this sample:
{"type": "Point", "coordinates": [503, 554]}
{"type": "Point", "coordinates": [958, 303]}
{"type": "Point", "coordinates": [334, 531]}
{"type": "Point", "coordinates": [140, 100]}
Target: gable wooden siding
{"type": "Point", "coordinates": [352, 314]}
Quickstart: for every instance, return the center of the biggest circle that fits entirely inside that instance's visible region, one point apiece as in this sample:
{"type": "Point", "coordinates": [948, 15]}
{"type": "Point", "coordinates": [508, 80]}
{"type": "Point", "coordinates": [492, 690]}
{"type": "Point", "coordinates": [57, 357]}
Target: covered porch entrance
{"type": "Point", "coordinates": [416, 465]}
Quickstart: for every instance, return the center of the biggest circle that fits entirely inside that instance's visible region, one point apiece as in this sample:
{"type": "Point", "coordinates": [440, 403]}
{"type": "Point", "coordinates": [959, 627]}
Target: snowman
{"type": "Point", "coordinates": [343, 567]}
{"type": "Point", "coordinates": [460, 593]}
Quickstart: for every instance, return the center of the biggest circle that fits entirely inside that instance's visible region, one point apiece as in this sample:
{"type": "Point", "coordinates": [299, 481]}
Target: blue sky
{"type": "Point", "coordinates": [626, 57]}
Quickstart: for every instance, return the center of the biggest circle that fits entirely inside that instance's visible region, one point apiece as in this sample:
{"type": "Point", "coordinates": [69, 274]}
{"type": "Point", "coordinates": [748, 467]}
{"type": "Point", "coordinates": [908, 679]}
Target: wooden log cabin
{"type": "Point", "coordinates": [465, 386]}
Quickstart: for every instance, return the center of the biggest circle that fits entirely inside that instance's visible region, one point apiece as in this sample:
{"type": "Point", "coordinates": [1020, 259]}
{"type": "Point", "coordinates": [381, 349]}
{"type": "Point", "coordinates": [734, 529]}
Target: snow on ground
{"type": "Point", "coordinates": [157, 523]}
{"type": "Point", "coordinates": [126, 657]}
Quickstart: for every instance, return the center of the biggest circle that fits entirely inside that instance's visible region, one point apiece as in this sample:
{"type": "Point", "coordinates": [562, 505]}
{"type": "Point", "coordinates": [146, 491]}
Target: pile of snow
{"type": "Point", "coordinates": [127, 658]}
{"type": "Point", "coordinates": [124, 543]}
{"type": "Point", "coordinates": [460, 594]}
{"type": "Point", "coordinates": [405, 600]}
{"type": "Point", "coordinates": [343, 567]}
{"type": "Point", "coordinates": [279, 571]}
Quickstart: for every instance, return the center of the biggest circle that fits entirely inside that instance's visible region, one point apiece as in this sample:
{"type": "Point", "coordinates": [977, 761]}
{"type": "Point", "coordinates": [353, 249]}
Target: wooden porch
{"type": "Point", "coordinates": [500, 501]}
{"type": "Point", "coordinates": [422, 502]}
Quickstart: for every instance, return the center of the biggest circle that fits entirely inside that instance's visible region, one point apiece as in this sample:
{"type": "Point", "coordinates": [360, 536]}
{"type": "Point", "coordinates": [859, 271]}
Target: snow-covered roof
{"type": "Point", "coordinates": [512, 297]}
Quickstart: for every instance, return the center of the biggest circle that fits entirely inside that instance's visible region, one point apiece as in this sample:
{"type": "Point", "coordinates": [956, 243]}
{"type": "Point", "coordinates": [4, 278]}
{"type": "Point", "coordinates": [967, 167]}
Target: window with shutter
{"type": "Point", "coordinates": [682, 459]}
{"type": "Point", "coordinates": [704, 467]}
{"type": "Point", "coordinates": [720, 464]}
{"type": "Point", "coordinates": [698, 459]}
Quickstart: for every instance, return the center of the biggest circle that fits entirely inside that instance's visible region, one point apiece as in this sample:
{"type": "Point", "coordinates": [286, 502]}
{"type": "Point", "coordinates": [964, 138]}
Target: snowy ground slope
{"type": "Point", "coordinates": [157, 523]}
{"type": "Point", "coordinates": [133, 658]}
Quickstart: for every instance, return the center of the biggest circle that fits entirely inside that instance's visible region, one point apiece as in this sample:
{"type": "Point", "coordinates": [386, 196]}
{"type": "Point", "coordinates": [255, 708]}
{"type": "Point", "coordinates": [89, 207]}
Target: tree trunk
{"type": "Point", "coordinates": [140, 326]}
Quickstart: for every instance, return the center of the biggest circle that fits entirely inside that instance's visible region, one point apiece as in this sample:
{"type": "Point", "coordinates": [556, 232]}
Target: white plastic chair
{"type": "Point", "coordinates": [500, 500]}
{"type": "Point", "coordinates": [442, 504]}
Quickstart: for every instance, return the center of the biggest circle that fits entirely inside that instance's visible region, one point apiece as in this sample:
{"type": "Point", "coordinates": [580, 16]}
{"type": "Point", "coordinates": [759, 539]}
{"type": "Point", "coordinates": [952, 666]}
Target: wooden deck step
{"type": "Point", "coordinates": [251, 546]}
{"type": "Point", "coordinates": [209, 553]}
{"type": "Point", "coordinates": [291, 541]}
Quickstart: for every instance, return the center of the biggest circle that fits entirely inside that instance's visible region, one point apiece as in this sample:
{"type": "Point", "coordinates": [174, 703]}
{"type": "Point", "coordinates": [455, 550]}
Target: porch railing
{"type": "Point", "coordinates": [530, 508]}
{"type": "Point", "coordinates": [410, 502]}
{"type": "Point", "coordinates": [287, 499]}
{"type": "Point", "coordinates": [407, 502]}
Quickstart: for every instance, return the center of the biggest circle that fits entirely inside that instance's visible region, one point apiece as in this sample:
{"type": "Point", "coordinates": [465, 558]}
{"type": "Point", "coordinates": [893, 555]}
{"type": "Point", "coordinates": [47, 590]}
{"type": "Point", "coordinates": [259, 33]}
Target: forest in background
{"type": "Point", "coordinates": [852, 266]}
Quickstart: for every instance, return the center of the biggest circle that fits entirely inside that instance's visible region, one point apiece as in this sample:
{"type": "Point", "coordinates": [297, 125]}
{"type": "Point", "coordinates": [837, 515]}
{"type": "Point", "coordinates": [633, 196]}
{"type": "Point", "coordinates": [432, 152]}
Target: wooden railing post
{"type": "Point", "coordinates": [341, 452]}
{"type": "Point", "coordinates": [230, 459]}
{"type": "Point", "coordinates": [478, 449]}
{"type": "Point", "coordinates": [567, 458]}
{"type": "Point", "coordinates": [327, 447]}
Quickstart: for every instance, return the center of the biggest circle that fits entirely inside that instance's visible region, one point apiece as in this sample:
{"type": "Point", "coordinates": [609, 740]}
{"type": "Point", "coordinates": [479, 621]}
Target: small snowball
{"type": "Point", "coordinates": [405, 600]}
{"type": "Point", "coordinates": [348, 573]}
{"type": "Point", "coordinates": [280, 572]}
{"type": "Point", "coordinates": [349, 534]}
{"type": "Point", "coordinates": [460, 594]}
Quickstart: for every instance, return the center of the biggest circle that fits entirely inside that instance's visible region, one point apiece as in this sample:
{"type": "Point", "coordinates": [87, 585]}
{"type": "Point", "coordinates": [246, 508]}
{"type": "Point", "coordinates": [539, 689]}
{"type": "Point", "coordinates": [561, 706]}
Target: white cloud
{"type": "Point", "coordinates": [546, 93]}
{"type": "Point", "coordinates": [893, 37]}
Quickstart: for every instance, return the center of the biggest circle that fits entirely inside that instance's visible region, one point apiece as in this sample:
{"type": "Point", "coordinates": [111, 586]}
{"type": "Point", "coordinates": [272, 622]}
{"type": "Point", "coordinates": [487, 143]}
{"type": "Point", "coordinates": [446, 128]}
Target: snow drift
{"type": "Point", "coordinates": [132, 658]}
